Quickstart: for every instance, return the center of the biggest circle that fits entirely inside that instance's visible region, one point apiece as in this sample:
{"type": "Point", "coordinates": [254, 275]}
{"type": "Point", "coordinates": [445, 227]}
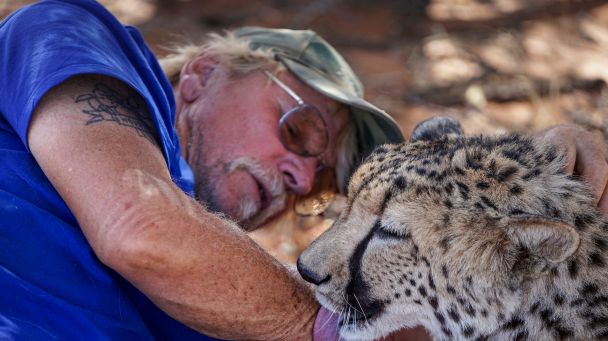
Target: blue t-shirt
{"type": "Point", "coordinates": [51, 283]}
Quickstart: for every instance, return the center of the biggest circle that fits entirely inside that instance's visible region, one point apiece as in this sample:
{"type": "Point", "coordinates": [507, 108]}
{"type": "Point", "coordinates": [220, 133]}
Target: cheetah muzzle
{"type": "Point", "coordinates": [481, 237]}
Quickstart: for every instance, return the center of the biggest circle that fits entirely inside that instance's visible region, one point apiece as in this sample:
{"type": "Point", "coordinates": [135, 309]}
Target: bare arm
{"type": "Point", "coordinates": [199, 268]}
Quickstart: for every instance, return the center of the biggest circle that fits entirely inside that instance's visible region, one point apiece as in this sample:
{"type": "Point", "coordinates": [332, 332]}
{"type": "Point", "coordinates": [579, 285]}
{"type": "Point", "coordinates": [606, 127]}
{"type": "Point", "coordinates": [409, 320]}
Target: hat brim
{"type": "Point", "coordinates": [374, 126]}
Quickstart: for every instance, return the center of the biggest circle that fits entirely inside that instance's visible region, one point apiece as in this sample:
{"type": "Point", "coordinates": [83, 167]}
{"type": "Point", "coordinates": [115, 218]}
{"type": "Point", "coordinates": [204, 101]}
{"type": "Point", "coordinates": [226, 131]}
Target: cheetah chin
{"type": "Point", "coordinates": [482, 238]}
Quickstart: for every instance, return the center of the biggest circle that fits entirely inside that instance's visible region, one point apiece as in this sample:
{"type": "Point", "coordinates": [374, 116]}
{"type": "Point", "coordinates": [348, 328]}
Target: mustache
{"type": "Point", "coordinates": [274, 188]}
{"type": "Point", "coordinates": [273, 180]}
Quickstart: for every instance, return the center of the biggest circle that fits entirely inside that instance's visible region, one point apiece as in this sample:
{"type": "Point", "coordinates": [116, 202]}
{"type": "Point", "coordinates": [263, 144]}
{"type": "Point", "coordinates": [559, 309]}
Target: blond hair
{"type": "Point", "coordinates": [240, 59]}
{"type": "Point", "coordinates": [230, 51]}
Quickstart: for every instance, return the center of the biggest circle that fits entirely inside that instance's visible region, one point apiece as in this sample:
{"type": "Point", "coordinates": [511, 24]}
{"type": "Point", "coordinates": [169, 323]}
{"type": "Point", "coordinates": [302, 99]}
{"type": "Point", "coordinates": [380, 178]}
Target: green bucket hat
{"type": "Point", "coordinates": [321, 67]}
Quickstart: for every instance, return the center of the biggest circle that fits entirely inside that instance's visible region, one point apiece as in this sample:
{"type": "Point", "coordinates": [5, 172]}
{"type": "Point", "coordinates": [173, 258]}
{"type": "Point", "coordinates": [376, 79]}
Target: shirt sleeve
{"type": "Point", "coordinates": [44, 44]}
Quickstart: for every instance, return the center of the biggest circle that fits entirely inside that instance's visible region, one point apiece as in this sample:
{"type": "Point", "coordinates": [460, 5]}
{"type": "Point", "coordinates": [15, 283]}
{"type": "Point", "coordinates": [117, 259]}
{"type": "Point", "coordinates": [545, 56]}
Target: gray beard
{"type": "Point", "coordinates": [248, 217]}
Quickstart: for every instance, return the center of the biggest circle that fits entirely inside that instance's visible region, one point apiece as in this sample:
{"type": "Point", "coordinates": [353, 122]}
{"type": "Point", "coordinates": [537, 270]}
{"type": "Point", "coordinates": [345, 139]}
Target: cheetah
{"type": "Point", "coordinates": [471, 237]}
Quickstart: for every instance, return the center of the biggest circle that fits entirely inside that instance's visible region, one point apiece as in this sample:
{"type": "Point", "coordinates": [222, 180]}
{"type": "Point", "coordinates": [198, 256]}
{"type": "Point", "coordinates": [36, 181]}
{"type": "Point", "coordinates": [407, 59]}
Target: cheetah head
{"type": "Point", "coordinates": [446, 232]}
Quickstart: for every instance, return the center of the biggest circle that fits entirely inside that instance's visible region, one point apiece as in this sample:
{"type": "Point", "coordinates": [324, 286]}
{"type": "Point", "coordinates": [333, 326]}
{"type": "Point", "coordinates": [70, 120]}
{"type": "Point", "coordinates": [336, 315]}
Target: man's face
{"type": "Point", "coordinates": [231, 141]}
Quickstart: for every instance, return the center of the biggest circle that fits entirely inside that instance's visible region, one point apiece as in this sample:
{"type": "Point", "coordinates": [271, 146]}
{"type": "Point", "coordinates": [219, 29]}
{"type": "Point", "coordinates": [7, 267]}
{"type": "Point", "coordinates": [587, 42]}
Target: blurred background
{"type": "Point", "coordinates": [495, 65]}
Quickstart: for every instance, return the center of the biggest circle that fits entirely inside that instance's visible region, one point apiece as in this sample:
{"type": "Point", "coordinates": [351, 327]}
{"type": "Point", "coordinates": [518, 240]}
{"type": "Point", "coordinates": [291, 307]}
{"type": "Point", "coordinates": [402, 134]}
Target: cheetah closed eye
{"type": "Point", "coordinates": [471, 237]}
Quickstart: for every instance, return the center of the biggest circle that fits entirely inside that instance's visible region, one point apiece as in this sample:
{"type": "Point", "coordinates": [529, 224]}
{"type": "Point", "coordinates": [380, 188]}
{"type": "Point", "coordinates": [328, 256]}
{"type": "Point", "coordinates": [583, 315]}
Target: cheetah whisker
{"type": "Point", "coordinates": [360, 306]}
{"type": "Point", "coordinates": [346, 320]}
{"type": "Point", "coordinates": [350, 305]}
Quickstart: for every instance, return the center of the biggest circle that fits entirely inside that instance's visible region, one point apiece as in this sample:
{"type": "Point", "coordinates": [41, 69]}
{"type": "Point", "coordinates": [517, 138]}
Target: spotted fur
{"type": "Point", "coordinates": [476, 238]}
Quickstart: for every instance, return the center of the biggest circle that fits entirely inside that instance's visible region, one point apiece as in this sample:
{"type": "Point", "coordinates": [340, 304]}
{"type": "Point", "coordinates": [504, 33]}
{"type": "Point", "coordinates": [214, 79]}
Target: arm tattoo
{"type": "Point", "coordinates": [105, 104]}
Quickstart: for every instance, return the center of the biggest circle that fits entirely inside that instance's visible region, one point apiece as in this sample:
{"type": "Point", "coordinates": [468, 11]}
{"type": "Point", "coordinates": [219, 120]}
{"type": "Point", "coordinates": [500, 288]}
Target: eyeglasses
{"type": "Point", "coordinates": [302, 129]}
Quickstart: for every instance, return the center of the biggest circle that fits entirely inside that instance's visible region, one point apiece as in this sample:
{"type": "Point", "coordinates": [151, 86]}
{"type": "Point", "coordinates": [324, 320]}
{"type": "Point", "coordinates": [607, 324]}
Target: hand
{"type": "Point", "coordinates": [586, 153]}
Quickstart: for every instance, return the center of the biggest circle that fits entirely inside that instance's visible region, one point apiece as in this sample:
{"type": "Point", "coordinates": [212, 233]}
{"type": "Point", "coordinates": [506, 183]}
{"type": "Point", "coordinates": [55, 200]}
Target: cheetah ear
{"type": "Point", "coordinates": [435, 128]}
{"type": "Point", "coordinates": [542, 238]}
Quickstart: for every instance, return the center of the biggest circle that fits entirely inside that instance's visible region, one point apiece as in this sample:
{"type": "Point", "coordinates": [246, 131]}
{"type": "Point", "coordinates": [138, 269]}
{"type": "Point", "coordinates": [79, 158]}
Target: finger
{"type": "Point", "coordinates": [599, 137]}
{"type": "Point", "coordinates": [562, 138]}
{"type": "Point", "coordinates": [603, 204]}
{"type": "Point", "coordinates": [601, 140]}
{"type": "Point", "coordinates": [570, 152]}
{"type": "Point", "coordinates": [591, 165]}
{"type": "Point", "coordinates": [594, 173]}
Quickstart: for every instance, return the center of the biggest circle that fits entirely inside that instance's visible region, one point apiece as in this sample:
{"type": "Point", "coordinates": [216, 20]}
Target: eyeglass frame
{"type": "Point", "coordinates": [300, 104]}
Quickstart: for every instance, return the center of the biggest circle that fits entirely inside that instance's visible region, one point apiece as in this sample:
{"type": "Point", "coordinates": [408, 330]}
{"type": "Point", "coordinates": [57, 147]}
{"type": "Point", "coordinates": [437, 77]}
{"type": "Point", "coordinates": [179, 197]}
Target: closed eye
{"type": "Point", "coordinates": [384, 233]}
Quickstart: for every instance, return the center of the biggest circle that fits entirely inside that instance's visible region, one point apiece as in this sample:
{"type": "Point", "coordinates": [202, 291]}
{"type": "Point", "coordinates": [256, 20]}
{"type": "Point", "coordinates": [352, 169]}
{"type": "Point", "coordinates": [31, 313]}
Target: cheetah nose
{"type": "Point", "coordinates": [309, 275]}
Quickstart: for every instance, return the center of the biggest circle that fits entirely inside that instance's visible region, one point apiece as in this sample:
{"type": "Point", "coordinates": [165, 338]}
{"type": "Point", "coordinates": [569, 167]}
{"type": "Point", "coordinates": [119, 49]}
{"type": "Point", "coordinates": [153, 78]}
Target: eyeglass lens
{"type": "Point", "coordinates": [303, 131]}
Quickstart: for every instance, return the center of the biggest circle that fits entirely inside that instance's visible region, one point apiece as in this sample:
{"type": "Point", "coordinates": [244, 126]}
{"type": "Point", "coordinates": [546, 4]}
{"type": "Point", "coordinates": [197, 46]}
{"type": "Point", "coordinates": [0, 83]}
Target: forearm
{"type": "Point", "coordinates": [202, 269]}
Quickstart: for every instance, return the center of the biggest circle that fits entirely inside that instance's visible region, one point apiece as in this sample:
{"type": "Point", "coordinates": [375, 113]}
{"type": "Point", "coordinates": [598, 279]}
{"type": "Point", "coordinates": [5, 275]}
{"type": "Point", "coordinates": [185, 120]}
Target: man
{"type": "Point", "coordinates": [97, 231]}
{"type": "Point", "coordinates": [98, 237]}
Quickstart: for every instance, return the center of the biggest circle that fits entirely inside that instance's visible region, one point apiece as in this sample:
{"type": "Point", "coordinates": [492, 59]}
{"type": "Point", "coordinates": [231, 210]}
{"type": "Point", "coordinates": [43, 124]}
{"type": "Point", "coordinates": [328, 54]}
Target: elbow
{"type": "Point", "coordinates": [140, 231]}
{"type": "Point", "coordinates": [133, 248]}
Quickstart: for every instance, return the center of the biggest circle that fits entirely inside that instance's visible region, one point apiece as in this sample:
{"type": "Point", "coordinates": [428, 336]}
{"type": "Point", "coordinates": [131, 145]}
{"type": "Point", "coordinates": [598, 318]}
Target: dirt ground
{"type": "Point", "coordinates": [495, 65]}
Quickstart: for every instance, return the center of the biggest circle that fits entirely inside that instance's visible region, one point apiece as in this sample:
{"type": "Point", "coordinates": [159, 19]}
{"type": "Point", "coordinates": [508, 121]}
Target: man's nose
{"type": "Point", "coordinates": [298, 174]}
